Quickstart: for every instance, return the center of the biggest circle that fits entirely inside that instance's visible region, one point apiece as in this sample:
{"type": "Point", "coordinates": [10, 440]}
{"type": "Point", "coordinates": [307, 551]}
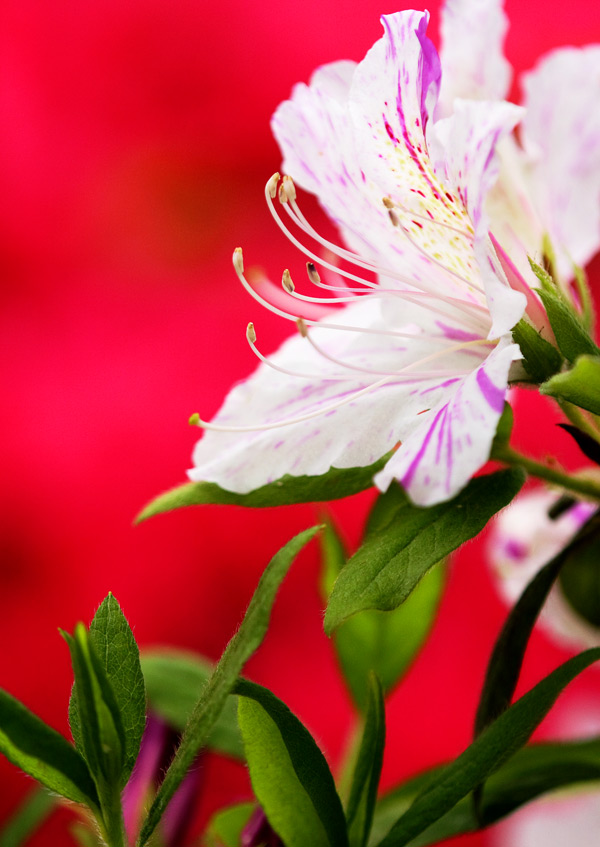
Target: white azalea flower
{"type": "Point", "coordinates": [416, 349]}
{"type": "Point", "coordinates": [523, 539]}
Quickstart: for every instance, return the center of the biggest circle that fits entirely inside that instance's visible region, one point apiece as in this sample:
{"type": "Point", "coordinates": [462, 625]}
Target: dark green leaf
{"type": "Point", "coordinates": [336, 483]}
{"type": "Point", "coordinates": [507, 656]}
{"type": "Point", "coordinates": [588, 445]}
{"type": "Point", "coordinates": [389, 565]}
{"type": "Point", "coordinates": [43, 753]}
{"type": "Point", "coordinates": [383, 642]}
{"type": "Point", "coordinates": [289, 774]}
{"type": "Point", "coordinates": [174, 683]}
{"type": "Point", "coordinates": [486, 754]}
{"type": "Point", "coordinates": [210, 705]}
{"type": "Point", "coordinates": [30, 815]}
{"type": "Point", "coordinates": [572, 339]}
{"type": "Point", "coordinates": [580, 580]}
{"type": "Point", "coordinates": [226, 827]}
{"type": "Point", "coordinates": [117, 651]}
{"type": "Point", "coordinates": [580, 385]}
{"type": "Point", "coordinates": [531, 772]}
{"type": "Point", "coordinates": [540, 359]}
{"type": "Point", "coordinates": [367, 771]}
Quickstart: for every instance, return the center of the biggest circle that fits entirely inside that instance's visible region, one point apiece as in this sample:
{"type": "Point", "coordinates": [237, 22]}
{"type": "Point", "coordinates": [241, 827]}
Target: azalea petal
{"type": "Point", "coordinates": [357, 433]}
{"type": "Point", "coordinates": [463, 148]}
{"type": "Point", "coordinates": [454, 439]}
{"type": "Point", "coordinates": [474, 67]}
{"type": "Point", "coordinates": [561, 132]}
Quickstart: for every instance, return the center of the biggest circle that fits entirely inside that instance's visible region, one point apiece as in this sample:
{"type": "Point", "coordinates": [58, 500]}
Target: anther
{"type": "Point", "coordinates": [194, 419]}
{"type": "Point", "coordinates": [312, 272]}
{"type": "Point", "coordinates": [251, 333]}
{"type": "Point", "coordinates": [238, 260]}
{"type": "Point", "coordinates": [288, 188]}
{"type": "Point", "coordinates": [388, 202]}
{"type": "Point", "coordinates": [302, 328]}
{"type": "Point", "coordinates": [287, 282]}
{"type": "Point", "coordinates": [393, 217]}
{"type": "Point", "coordinates": [272, 185]}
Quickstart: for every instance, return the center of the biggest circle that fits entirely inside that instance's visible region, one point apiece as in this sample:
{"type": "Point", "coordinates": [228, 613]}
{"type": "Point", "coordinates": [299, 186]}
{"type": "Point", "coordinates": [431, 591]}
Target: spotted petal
{"type": "Point", "coordinates": [360, 430]}
{"type": "Point", "coordinates": [472, 35]}
{"type": "Point", "coordinates": [561, 131]}
{"type": "Point", "coordinates": [454, 439]}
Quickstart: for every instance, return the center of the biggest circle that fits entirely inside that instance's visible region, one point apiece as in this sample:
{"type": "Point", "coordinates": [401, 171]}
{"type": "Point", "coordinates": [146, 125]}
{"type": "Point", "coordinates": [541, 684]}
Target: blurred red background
{"type": "Point", "coordinates": [134, 149]}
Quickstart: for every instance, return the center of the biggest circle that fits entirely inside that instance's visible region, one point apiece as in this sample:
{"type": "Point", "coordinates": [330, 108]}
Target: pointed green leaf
{"type": "Point", "coordinates": [43, 753]}
{"type": "Point", "coordinates": [540, 359]}
{"type": "Point", "coordinates": [507, 656]}
{"type": "Point", "coordinates": [572, 339]}
{"type": "Point", "coordinates": [391, 563]}
{"type": "Point", "coordinates": [531, 772]}
{"type": "Point", "coordinates": [336, 483]}
{"type": "Point", "coordinates": [383, 642]}
{"type": "Point", "coordinates": [210, 705]}
{"type": "Point", "coordinates": [367, 771]}
{"type": "Point", "coordinates": [289, 774]}
{"type": "Point", "coordinates": [580, 385]}
{"type": "Point", "coordinates": [115, 647]}
{"type": "Point", "coordinates": [226, 826]}
{"type": "Point", "coordinates": [487, 753]}
{"type": "Point", "coordinates": [174, 683]}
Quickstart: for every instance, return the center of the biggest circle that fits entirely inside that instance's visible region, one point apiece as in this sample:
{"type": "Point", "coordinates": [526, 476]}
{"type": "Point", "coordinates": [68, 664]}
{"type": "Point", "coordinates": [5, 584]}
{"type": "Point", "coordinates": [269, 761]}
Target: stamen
{"type": "Point", "coordinates": [313, 274]}
{"type": "Point", "coordinates": [272, 185]}
{"type": "Point", "coordinates": [251, 333]}
{"type": "Point", "coordinates": [390, 205]}
{"type": "Point", "coordinates": [238, 260]}
{"type": "Point", "coordinates": [287, 282]}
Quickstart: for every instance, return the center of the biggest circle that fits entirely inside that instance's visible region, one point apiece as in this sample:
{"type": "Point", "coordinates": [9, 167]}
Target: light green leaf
{"type": "Point", "coordinates": [367, 771]}
{"type": "Point", "coordinates": [210, 705]}
{"type": "Point", "coordinates": [572, 339]}
{"type": "Point", "coordinates": [580, 385]}
{"type": "Point", "coordinates": [30, 815]}
{"type": "Point", "coordinates": [486, 754]}
{"type": "Point", "coordinates": [43, 753]}
{"type": "Point", "coordinates": [390, 564]}
{"type": "Point", "coordinates": [115, 647]}
{"type": "Point", "coordinates": [174, 683]}
{"type": "Point", "coordinates": [336, 483]}
{"type": "Point", "coordinates": [540, 358]}
{"type": "Point", "coordinates": [531, 772]}
{"type": "Point", "coordinates": [289, 774]}
{"type": "Point", "coordinates": [383, 642]}
{"type": "Point", "coordinates": [226, 827]}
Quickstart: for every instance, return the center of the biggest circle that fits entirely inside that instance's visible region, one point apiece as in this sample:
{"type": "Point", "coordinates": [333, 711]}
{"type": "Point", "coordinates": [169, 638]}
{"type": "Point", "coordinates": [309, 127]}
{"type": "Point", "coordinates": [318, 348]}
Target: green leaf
{"type": "Point", "coordinates": [226, 827]}
{"type": "Point", "coordinates": [507, 656]}
{"type": "Point", "coordinates": [43, 753]}
{"type": "Point", "coordinates": [210, 705]}
{"type": "Point", "coordinates": [336, 483]}
{"type": "Point", "coordinates": [540, 359]}
{"type": "Point", "coordinates": [580, 581]}
{"type": "Point", "coordinates": [289, 774]}
{"type": "Point", "coordinates": [367, 771]}
{"type": "Point", "coordinates": [572, 339]}
{"type": "Point", "coordinates": [114, 645]}
{"type": "Point", "coordinates": [389, 565]}
{"type": "Point", "coordinates": [99, 721]}
{"type": "Point", "coordinates": [487, 753]}
{"type": "Point", "coordinates": [580, 385]}
{"type": "Point", "coordinates": [531, 772]}
{"type": "Point", "coordinates": [383, 642]}
{"type": "Point", "coordinates": [30, 815]}
{"type": "Point", "coordinates": [174, 683]}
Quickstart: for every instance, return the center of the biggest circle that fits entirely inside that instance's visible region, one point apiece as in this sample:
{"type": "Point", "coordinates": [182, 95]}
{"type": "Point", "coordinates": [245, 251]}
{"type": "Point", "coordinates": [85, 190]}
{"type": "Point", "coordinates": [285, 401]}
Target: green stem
{"type": "Point", "coordinates": [112, 824]}
{"type": "Point", "coordinates": [350, 757]}
{"type": "Point", "coordinates": [578, 485]}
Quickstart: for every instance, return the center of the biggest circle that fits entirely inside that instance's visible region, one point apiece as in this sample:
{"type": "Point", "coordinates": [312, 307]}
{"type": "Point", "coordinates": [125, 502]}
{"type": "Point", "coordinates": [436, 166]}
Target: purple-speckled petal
{"type": "Point", "coordinates": [463, 147]}
{"type": "Point", "coordinates": [147, 766]}
{"type": "Point", "coordinates": [561, 132]}
{"type": "Point", "coordinates": [474, 67]}
{"type": "Point", "coordinates": [454, 439]}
